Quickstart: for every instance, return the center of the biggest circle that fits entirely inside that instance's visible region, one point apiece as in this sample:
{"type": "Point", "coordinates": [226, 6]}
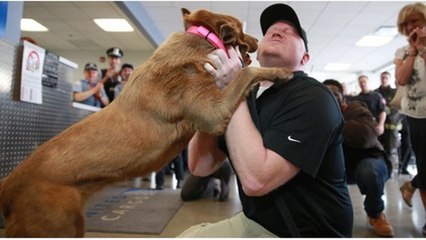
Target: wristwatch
{"type": "Point", "coordinates": [422, 51]}
{"type": "Point", "coordinates": [411, 52]}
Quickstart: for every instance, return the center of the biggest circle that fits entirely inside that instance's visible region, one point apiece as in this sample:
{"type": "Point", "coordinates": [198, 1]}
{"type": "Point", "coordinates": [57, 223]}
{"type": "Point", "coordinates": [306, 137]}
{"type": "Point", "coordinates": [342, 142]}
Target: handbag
{"type": "Point", "coordinates": [396, 100]}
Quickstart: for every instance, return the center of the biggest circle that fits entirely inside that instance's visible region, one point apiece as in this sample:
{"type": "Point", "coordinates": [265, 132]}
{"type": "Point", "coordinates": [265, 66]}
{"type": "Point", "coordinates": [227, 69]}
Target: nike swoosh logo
{"type": "Point", "coordinates": [293, 140]}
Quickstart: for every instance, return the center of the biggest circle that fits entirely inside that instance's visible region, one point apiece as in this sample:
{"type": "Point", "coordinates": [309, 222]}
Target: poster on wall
{"type": "Point", "coordinates": [31, 73]}
{"type": "Point", "coordinates": [3, 18]}
{"type": "Point", "coordinates": [50, 70]}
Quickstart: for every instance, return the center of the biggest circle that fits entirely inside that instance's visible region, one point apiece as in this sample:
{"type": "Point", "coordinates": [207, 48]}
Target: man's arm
{"type": "Point", "coordinates": [102, 94]}
{"type": "Point", "coordinates": [81, 96]}
{"type": "Point", "coordinates": [380, 128]}
{"type": "Point", "coordinates": [259, 169]}
{"type": "Point", "coordinates": [204, 156]}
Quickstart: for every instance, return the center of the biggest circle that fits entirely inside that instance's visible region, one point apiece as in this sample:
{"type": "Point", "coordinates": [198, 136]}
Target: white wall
{"type": "Point", "coordinates": [138, 57]}
{"type": "Point", "coordinates": [135, 58]}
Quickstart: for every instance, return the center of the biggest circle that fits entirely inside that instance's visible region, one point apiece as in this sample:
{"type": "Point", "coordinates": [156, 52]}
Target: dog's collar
{"type": "Point", "coordinates": [209, 36]}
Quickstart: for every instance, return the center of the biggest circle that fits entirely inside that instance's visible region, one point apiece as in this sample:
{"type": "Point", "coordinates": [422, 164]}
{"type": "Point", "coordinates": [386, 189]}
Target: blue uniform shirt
{"type": "Point", "coordinates": [84, 85]}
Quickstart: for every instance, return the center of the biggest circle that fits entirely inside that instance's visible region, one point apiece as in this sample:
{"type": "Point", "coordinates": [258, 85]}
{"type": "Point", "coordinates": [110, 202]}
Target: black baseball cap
{"type": "Point", "coordinates": [115, 52]}
{"type": "Point", "coordinates": [284, 12]}
{"type": "Point", "coordinates": [90, 66]}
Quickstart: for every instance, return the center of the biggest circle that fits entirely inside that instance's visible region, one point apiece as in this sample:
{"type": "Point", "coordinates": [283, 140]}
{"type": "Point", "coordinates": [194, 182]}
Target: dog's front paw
{"type": "Point", "coordinates": [218, 130]}
{"type": "Point", "coordinates": [282, 74]}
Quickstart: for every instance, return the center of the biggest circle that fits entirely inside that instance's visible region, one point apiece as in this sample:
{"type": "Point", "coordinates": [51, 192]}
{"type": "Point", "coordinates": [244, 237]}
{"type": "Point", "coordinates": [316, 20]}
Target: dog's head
{"type": "Point", "coordinates": [227, 28]}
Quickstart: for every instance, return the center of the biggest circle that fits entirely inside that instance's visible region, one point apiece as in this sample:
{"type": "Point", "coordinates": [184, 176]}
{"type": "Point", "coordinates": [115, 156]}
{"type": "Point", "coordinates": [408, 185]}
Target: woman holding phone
{"type": "Point", "coordinates": [410, 71]}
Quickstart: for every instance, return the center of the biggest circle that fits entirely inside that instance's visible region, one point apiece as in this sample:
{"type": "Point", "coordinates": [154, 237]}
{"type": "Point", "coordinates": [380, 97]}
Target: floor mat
{"type": "Point", "coordinates": [128, 210]}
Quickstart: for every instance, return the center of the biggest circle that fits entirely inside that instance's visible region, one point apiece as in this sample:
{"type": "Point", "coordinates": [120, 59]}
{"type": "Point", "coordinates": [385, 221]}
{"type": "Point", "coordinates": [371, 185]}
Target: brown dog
{"type": "Point", "coordinates": [166, 100]}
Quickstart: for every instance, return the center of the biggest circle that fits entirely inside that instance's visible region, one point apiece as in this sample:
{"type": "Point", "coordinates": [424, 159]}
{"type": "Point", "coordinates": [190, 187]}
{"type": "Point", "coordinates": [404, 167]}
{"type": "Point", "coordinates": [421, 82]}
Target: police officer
{"type": "Point", "coordinates": [393, 123]}
{"type": "Point", "coordinates": [111, 76]}
{"type": "Point", "coordinates": [89, 90]}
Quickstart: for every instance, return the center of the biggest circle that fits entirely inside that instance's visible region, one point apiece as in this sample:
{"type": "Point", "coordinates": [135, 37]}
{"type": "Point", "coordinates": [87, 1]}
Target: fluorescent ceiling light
{"type": "Point", "coordinates": [389, 31]}
{"type": "Point", "coordinates": [373, 41]}
{"type": "Point", "coordinates": [337, 66]}
{"type": "Point", "coordinates": [113, 24]}
{"type": "Point", "coordinates": [380, 37]}
{"type": "Point", "coordinates": [31, 25]}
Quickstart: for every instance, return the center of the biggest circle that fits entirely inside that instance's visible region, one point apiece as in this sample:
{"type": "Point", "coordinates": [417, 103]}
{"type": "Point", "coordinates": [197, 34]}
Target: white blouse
{"type": "Point", "coordinates": [413, 103]}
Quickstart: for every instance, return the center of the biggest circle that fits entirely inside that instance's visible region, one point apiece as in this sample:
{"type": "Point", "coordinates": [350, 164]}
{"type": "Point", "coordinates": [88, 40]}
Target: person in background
{"type": "Point", "coordinates": [390, 138]}
{"type": "Point", "coordinates": [349, 96]}
{"type": "Point", "coordinates": [176, 165]}
{"type": "Point", "coordinates": [88, 90]}
{"type": "Point", "coordinates": [125, 72]}
{"type": "Point", "coordinates": [375, 102]}
{"type": "Point", "coordinates": [110, 76]}
{"type": "Point", "coordinates": [285, 150]}
{"type": "Point", "coordinates": [367, 164]}
{"type": "Point", "coordinates": [196, 187]}
{"type": "Point", "coordinates": [410, 71]}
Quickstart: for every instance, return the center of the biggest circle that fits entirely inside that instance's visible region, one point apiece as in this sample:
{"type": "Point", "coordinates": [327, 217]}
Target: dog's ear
{"type": "Point", "coordinates": [251, 43]}
{"type": "Point", "coordinates": [185, 14]}
{"type": "Point", "coordinates": [244, 50]}
{"type": "Point", "coordinates": [185, 11]}
{"type": "Point", "coordinates": [228, 34]}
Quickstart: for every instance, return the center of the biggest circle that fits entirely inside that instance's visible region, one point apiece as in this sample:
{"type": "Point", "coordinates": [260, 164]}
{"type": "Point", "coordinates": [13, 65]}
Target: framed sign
{"type": "Point", "coordinates": [31, 73]}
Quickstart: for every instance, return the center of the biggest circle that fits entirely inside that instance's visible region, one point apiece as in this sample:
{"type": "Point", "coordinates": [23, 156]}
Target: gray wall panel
{"type": "Point", "coordinates": [25, 126]}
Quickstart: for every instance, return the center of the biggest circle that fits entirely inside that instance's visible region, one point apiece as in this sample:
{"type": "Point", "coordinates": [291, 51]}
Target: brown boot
{"type": "Point", "coordinates": [381, 226]}
{"type": "Point", "coordinates": [407, 191]}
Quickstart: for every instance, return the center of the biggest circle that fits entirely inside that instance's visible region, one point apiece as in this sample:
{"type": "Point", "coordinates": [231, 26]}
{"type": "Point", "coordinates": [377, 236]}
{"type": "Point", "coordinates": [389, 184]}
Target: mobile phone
{"type": "Point", "coordinates": [414, 37]}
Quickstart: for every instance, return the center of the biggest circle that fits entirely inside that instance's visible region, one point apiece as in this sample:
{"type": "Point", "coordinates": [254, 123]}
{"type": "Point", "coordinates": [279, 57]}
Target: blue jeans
{"type": "Point", "coordinates": [370, 175]}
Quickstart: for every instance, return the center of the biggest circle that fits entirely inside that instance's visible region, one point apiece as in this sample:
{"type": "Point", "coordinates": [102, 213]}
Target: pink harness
{"type": "Point", "coordinates": [209, 36]}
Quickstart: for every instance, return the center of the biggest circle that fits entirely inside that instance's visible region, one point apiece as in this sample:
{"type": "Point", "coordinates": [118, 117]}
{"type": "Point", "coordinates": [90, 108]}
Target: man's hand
{"type": "Point", "coordinates": [111, 72]}
{"type": "Point", "coordinates": [417, 38]}
{"type": "Point", "coordinates": [97, 90]}
{"type": "Point", "coordinates": [380, 130]}
{"type": "Point", "coordinates": [225, 69]}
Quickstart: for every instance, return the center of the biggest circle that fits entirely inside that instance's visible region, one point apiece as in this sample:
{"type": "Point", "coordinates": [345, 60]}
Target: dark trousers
{"type": "Point", "coordinates": [405, 151]}
{"type": "Point", "coordinates": [198, 187]}
{"type": "Point", "coordinates": [177, 169]}
{"type": "Point", "coordinates": [418, 141]}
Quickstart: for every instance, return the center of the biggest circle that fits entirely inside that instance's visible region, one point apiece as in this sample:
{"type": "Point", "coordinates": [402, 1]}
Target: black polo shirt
{"type": "Point", "coordinates": [301, 121]}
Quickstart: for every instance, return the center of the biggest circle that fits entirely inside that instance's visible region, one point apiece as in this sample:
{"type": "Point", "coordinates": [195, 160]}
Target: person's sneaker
{"type": "Point", "coordinates": [407, 191]}
{"type": "Point", "coordinates": [381, 226]}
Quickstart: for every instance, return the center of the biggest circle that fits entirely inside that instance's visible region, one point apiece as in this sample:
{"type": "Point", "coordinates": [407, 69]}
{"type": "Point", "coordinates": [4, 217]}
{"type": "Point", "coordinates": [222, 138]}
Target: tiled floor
{"type": "Point", "coordinates": [407, 222]}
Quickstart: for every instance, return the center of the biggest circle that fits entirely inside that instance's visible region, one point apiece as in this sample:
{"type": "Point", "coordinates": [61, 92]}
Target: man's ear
{"type": "Point", "coordinates": [228, 35]}
{"type": "Point", "coordinates": [305, 58]}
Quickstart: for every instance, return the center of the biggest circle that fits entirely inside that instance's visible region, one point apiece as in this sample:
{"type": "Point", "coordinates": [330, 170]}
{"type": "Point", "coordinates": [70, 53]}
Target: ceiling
{"type": "Point", "coordinates": [333, 27]}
